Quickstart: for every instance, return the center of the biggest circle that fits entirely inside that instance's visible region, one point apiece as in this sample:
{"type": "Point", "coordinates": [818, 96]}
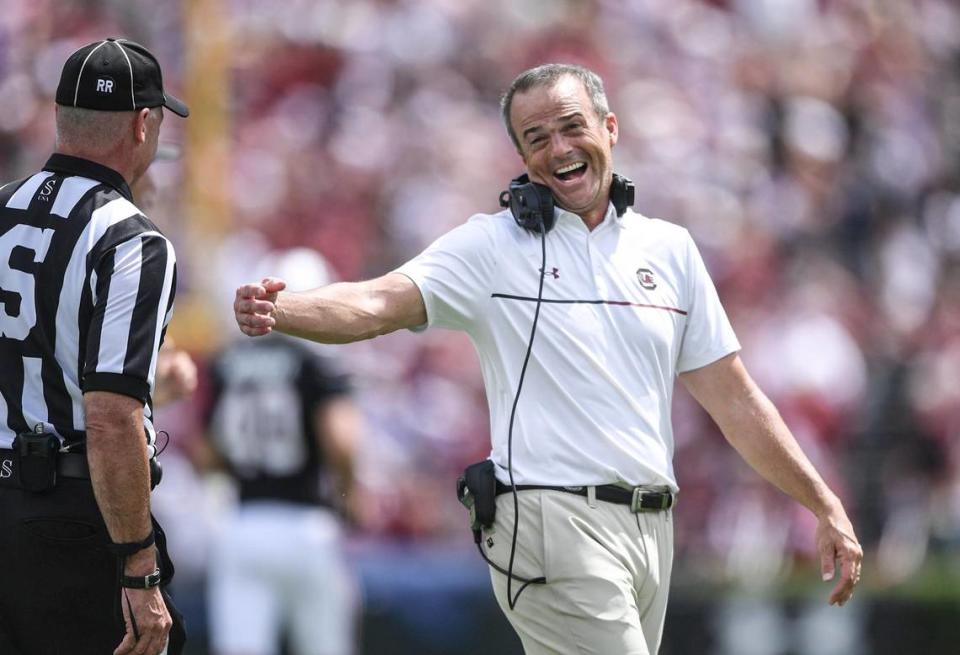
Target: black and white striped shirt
{"type": "Point", "coordinates": [86, 291]}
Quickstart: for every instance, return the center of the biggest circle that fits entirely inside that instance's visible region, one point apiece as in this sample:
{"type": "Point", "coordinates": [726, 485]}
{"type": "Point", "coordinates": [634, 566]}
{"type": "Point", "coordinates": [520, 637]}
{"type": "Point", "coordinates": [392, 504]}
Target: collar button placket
{"type": "Point", "coordinates": [595, 262]}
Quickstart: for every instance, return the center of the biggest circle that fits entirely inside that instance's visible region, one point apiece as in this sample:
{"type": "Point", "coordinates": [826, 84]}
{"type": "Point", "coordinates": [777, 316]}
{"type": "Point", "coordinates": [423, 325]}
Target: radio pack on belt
{"type": "Point", "coordinates": [477, 491]}
{"type": "Point", "coordinates": [36, 453]}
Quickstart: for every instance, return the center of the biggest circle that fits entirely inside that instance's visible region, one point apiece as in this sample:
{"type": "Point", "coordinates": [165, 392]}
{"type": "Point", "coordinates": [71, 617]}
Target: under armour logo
{"type": "Point", "coordinates": [555, 273]}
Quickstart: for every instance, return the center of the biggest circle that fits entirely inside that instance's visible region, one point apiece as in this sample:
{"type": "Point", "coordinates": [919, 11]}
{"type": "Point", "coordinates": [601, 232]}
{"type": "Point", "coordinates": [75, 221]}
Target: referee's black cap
{"type": "Point", "coordinates": [115, 75]}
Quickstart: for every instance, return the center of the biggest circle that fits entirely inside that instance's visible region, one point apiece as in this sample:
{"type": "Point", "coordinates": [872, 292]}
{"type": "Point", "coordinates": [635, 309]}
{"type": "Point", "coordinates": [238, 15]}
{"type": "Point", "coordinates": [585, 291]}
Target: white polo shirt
{"type": "Point", "coordinates": [625, 308]}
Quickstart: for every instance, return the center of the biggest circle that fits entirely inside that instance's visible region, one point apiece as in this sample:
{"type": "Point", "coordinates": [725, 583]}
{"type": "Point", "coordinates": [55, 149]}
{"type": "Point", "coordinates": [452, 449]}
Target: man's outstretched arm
{"type": "Point", "coordinates": [753, 426]}
{"type": "Point", "coordinates": [337, 313]}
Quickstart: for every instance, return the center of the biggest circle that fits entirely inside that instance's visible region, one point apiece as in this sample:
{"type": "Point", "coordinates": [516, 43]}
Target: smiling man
{"type": "Point", "coordinates": [627, 307]}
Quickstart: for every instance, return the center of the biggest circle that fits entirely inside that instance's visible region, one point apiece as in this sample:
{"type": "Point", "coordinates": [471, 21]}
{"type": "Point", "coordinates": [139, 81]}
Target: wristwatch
{"type": "Point", "coordinates": [141, 582]}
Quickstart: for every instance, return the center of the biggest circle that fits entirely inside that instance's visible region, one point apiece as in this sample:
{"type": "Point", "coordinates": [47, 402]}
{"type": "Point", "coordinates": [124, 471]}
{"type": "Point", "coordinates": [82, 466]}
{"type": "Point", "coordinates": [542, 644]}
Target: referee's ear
{"type": "Point", "coordinates": [140, 126]}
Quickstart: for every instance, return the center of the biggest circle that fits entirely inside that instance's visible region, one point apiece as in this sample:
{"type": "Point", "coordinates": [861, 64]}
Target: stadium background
{"type": "Point", "coordinates": [811, 146]}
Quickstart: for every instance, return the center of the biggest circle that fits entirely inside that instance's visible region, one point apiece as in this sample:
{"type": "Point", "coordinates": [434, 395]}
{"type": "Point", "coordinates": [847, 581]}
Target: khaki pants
{"type": "Point", "coordinates": [607, 571]}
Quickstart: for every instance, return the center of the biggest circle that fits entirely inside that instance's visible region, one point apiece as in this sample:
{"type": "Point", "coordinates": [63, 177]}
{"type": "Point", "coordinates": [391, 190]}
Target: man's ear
{"type": "Point", "coordinates": [140, 126]}
{"type": "Point", "coordinates": [613, 128]}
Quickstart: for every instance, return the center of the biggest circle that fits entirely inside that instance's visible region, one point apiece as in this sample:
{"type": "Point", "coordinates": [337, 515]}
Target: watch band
{"type": "Point", "coordinates": [127, 549]}
{"type": "Point", "coordinates": [141, 582]}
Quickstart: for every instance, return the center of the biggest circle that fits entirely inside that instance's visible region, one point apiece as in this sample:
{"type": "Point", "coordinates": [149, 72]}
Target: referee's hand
{"type": "Point", "coordinates": [152, 621]}
{"type": "Point", "coordinates": [255, 304]}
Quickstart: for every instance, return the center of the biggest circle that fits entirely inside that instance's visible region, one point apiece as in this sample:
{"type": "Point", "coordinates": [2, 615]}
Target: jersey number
{"type": "Point", "coordinates": [20, 283]}
{"type": "Point", "coordinates": [260, 429]}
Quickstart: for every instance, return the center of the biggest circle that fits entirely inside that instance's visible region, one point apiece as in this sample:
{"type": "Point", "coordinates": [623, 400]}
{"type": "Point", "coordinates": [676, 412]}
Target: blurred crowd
{"type": "Point", "coordinates": [812, 147]}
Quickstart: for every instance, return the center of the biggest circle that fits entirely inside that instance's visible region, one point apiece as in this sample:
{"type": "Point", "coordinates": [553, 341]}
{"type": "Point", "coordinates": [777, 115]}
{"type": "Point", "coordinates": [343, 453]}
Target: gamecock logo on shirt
{"type": "Point", "coordinates": [645, 276]}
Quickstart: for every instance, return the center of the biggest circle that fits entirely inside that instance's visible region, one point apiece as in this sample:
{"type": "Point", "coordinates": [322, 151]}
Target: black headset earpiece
{"type": "Point", "coordinates": [622, 193]}
{"type": "Point", "coordinates": [532, 204]}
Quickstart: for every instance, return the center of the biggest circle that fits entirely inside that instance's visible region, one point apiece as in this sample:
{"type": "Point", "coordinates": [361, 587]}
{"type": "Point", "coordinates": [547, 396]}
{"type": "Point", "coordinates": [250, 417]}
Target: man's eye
{"type": "Point", "coordinates": [537, 140]}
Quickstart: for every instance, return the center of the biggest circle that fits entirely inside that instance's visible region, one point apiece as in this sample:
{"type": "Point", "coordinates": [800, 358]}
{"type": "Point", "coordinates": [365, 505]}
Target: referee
{"type": "Point", "coordinates": [86, 291]}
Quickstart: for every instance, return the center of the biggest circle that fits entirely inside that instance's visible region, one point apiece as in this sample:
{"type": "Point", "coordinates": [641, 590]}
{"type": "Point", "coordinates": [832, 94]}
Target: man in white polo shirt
{"type": "Point", "coordinates": [626, 305]}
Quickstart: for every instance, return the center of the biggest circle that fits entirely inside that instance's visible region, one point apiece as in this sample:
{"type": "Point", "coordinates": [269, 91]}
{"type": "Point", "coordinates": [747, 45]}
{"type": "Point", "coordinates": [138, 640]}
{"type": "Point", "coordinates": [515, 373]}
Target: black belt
{"type": "Point", "coordinates": [69, 465]}
{"type": "Point", "coordinates": [640, 499]}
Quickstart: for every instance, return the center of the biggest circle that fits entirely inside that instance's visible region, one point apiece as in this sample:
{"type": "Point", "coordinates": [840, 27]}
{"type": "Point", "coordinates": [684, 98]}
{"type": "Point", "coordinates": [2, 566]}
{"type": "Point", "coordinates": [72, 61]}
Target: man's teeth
{"type": "Point", "coordinates": [570, 167]}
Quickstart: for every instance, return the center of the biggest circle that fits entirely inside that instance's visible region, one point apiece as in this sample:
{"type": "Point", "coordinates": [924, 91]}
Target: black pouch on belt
{"type": "Point", "coordinates": [36, 454]}
{"type": "Point", "coordinates": [477, 491]}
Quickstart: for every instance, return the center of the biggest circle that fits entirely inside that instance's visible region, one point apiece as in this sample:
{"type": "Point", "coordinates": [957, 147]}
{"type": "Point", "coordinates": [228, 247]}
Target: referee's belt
{"type": "Point", "coordinates": [69, 465]}
{"type": "Point", "coordinates": [640, 499]}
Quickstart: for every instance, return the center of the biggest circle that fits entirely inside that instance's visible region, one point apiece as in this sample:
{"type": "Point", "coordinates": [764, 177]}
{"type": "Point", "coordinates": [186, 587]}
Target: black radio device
{"type": "Point", "coordinates": [36, 454]}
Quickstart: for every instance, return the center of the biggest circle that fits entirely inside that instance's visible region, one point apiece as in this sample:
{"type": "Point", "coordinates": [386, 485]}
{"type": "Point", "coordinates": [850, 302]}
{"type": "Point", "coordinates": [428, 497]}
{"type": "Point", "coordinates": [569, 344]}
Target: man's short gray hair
{"type": "Point", "coordinates": [547, 75]}
{"type": "Point", "coordinates": [92, 131]}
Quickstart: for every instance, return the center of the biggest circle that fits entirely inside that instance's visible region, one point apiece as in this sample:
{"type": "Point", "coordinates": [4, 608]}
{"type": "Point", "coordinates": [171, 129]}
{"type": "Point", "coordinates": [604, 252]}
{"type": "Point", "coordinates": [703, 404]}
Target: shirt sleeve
{"type": "Point", "coordinates": [133, 285]}
{"type": "Point", "coordinates": [455, 274]}
{"type": "Point", "coordinates": [708, 335]}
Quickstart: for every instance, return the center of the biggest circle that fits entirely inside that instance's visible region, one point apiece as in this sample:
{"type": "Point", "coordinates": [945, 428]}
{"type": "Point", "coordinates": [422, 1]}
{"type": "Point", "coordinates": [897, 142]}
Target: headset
{"type": "Point", "coordinates": [531, 205]}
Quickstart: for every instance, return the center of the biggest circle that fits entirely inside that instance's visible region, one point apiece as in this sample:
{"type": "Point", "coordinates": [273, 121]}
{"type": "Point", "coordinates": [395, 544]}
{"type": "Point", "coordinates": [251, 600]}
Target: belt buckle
{"type": "Point", "coordinates": [636, 503]}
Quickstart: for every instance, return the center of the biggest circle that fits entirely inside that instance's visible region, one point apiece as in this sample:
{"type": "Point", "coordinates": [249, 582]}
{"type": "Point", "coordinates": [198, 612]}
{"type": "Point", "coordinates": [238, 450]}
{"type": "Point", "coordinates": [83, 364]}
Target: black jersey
{"type": "Point", "coordinates": [265, 395]}
{"type": "Point", "coordinates": [86, 291]}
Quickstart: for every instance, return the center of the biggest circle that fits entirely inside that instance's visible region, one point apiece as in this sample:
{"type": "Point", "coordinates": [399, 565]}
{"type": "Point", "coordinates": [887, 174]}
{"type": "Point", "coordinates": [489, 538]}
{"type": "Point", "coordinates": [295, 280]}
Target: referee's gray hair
{"type": "Point", "coordinates": [91, 130]}
{"type": "Point", "coordinates": [547, 75]}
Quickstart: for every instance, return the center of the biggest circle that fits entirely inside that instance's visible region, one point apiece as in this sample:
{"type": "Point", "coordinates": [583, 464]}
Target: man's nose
{"type": "Point", "coordinates": [559, 146]}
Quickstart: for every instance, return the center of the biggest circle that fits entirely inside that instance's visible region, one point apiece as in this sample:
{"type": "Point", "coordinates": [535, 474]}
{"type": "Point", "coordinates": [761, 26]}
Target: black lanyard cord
{"type": "Point", "coordinates": [512, 600]}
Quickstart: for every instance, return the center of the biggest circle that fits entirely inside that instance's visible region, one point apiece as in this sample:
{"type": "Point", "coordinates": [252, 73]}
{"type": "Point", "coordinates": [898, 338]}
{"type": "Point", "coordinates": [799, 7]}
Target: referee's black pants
{"type": "Point", "coordinates": [59, 585]}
